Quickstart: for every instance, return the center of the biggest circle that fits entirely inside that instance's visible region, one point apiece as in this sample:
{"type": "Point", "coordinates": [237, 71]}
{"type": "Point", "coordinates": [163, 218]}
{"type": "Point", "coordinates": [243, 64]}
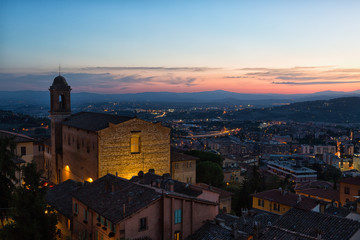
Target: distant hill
{"type": "Point", "coordinates": [339, 110]}
{"type": "Point", "coordinates": [8, 98]}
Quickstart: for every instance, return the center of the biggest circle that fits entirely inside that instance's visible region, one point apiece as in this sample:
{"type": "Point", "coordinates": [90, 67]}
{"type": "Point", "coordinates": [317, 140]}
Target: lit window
{"type": "Point", "coordinates": [177, 236]}
{"type": "Point", "coordinates": [177, 217]}
{"type": "Point", "coordinates": [143, 224]}
{"type": "Point", "coordinates": [135, 143]}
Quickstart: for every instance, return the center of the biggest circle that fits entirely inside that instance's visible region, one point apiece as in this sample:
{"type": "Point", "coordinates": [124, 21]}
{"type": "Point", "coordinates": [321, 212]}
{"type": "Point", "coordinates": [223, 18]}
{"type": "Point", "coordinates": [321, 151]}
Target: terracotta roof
{"type": "Point", "coordinates": [310, 224]}
{"type": "Point", "coordinates": [177, 157]}
{"type": "Point", "coordinates": [60, 197]}
{"type": "Point", "coordinates": [107, 196]}
{"type": "Point", "coordinates": [354, 180]}
{"type": "Point", "coordinates": [93, 121]}
{"type": "Point", "coordinates": [16, 136]}
{"type": "Point", "coordinates": [212, 231]}
{"type": "Point", "coordinates": [288, 198]}
{"type": "Point", "coordinates": [331, 194]}
{"type": "Point", "coordinates": [223, 193]}
{"type": "Point", "coordinates": [179, 187]}
{"type": "Point", "coordinates": [314, 184]}
{"type": "Point", "coordinates": [275, 233]}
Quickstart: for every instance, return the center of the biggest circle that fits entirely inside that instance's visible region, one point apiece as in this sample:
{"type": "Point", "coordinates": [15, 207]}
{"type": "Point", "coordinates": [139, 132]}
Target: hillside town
{"type": "Point", "coordinates": [108, 176]}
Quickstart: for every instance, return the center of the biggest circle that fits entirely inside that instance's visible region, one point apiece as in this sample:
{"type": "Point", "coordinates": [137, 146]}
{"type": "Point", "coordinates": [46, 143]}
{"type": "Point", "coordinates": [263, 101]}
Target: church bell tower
{"type": "Point", "coordinates": [60, 108]}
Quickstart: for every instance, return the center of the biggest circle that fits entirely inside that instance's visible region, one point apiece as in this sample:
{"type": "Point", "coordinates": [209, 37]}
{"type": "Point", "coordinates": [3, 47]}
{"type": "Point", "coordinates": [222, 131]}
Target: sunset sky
{"type": "Point", "coordinates": [181, 46]}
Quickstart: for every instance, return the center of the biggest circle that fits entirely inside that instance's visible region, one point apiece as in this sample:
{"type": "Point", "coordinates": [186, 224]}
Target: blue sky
{"type": "Point", "coordinates": [225, 36]}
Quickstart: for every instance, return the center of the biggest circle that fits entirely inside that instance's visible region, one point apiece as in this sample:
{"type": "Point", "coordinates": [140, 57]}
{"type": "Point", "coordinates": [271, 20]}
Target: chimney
{"type": "Point", "coordinates": [116, 173]}
{"type": "Point", "coordinates": [171, 185]}
{"type": "Point", "coordinates": [158, 183]}
{"type": "Point", "coordinates": [299, 199]}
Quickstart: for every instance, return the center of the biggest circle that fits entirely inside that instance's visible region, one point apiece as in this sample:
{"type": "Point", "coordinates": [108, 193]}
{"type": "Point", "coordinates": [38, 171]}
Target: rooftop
{"type": "Point", "coordinates": [109, 195]}
{"type": "Point", "coordinates": [311, 224]}
{"type": "Point", "coordinates": [330, 194]}
{"type": "Point", "coordinates": [18, 138]}
{"type": "Point", "coordinates": [60, 197]}
{"type": "Point", "coordinates": [288, 198]}
{"type": "Point", "coordinates": [93, 121]}
{"type": "Point", "coordinates": [354, 180]}
{"type": "Point", "coordinates": [177, 157]}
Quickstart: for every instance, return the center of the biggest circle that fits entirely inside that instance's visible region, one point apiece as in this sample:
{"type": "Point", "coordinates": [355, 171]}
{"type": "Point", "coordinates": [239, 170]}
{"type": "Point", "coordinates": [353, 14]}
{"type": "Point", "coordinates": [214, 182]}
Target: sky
{"type": "Point", "coordinates": [181, 46]}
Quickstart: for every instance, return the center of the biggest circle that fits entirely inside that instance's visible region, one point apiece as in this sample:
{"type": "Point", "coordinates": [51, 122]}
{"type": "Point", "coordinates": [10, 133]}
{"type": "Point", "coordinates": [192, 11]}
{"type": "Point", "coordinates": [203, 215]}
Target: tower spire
{"type": "Point", "coordinates": [59, 70]}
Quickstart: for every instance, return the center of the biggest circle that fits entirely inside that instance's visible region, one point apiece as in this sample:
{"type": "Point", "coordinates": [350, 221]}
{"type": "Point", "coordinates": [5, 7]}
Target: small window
{"type": "Point", "coordinates": [177, 217]}
{"type": "Point", "coordinates": [113, 227]}
{"type": "Point", "coordinates": [23, 151]}
{"type": "Point", "coordinates": [347, 190]}
{"type": "Point", "coordinates": [135, 143]}
{"type": "Point", "coordinates": [85, 215]}
{"type": "Point", "coordinates": [76, 209]}
{"type": "Point", "coordinates": [143, 224]}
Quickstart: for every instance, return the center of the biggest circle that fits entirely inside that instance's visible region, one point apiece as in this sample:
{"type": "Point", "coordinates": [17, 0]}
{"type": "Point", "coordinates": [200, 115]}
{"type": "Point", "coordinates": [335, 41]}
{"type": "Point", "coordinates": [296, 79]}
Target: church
{"type": "Point", "coordinates": [86, 146]}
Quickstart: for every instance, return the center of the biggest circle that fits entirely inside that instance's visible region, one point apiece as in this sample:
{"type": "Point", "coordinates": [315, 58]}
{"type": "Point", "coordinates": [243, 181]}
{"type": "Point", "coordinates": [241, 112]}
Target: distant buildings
{"type": "Point", "coordinates": [295, 173]}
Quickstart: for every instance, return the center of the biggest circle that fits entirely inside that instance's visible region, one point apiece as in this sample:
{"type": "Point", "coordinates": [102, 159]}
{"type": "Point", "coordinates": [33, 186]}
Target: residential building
{"type": "Point", "coordinates": [24, 144]}
{"type": "Point", "coordinates": [294, 172]}
{"type": "Point", "coordinates": [116, 208]}
{"type": "Point", "coordinates": [324, 149]}
{"type": "Point", "coordinates": [349, 190]}
{"type": "Point", "coordinates": [183, 167]}
{"type": "Point", "coordinates": [280, 201]}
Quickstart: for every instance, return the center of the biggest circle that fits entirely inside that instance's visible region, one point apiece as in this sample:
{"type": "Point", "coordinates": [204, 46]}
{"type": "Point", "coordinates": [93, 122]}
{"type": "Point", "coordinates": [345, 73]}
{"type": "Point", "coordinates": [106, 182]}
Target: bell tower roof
{"type": "Point", "coordinates": [59, 83]}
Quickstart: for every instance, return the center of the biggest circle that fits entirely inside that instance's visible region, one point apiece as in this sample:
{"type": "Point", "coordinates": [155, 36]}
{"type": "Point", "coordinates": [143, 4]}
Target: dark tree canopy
{"type": "Point", "coordinates": [32, 217]}
{"type": "Point", "coordinates": [7, 174]}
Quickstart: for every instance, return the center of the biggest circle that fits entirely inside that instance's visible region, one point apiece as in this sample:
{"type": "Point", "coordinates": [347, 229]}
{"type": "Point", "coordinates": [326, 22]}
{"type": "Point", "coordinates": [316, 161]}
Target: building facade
{"type": "Point", "coordinates": [86, 145]}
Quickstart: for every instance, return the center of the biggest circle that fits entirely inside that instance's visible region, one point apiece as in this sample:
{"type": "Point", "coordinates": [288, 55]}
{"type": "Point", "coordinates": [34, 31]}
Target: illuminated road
{"type": "Point", "coordinates": [216, 134]}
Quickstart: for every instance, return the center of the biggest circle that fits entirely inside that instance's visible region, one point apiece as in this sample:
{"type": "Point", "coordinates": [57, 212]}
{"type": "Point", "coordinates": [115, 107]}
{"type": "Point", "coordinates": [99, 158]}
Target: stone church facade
{"type": "Point", "coordinates": [87, 145]}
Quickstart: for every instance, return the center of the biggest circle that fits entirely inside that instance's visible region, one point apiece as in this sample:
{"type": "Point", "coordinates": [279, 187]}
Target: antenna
{"type": "Point", "coordinates": [59, 70]}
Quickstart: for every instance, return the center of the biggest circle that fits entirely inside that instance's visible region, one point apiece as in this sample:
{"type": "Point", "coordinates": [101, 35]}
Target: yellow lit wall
{"type": "Point", "coordinates": [269, 206]}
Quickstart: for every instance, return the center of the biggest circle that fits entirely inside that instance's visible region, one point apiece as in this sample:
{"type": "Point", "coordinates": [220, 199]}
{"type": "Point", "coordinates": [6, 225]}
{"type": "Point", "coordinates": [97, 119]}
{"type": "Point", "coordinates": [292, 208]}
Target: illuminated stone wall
{"type": "Point", "coordinates": [80, 154]}
{"type": "Point", "coordinates": [115, 154]}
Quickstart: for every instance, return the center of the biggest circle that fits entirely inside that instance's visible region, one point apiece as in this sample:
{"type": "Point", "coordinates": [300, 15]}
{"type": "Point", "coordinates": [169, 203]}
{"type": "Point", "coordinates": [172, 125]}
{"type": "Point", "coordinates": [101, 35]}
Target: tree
{"type": "Point", "coordinates": [32, 217]}
{"type": "Point", "coordinates": [206, 156]}
{"type": "Point", "coordinates": [210, 173]}
{"type": "Point", "coordinates": [7, 175]}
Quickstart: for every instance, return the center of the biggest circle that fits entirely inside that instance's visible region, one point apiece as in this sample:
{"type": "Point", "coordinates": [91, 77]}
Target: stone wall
{"type": "Point", "coordinates": [115, 153]}
{"type": "Point", "coordinates": [80, 154]}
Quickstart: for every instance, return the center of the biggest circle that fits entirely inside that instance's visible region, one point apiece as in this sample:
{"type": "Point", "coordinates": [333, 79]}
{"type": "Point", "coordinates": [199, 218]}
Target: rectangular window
{"type": "Point", "coordinates": [23, 151]}
{"type": "Point", "coordinates": [177, 216]}
{"type": "Point", "coordinates": [143, 224]}
{"type": "Point", "coordinates": [113, 227]}
{"type": "Point", "coordinates": [347, 190]}
{"type": "Point", "coordinates": [76, 209]}
{"type": "Point", "coordinates": [177, 236]}
{"type": "Point", "coordinates": [135, 143]}
{"type": "Point", "coordinates": [85, 215]}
